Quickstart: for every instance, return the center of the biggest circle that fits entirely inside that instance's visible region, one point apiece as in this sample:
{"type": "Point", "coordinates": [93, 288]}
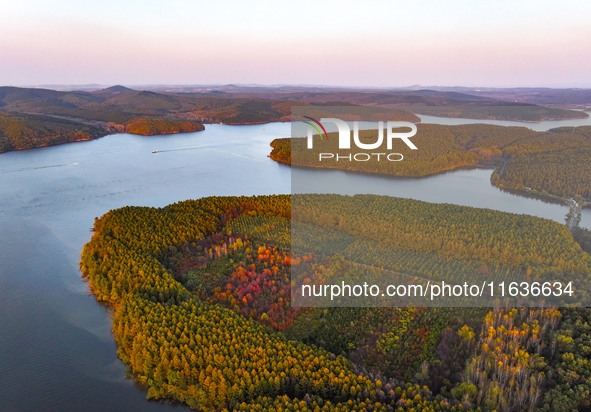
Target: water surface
{"type": "Point", "coordinates": [537, 126]}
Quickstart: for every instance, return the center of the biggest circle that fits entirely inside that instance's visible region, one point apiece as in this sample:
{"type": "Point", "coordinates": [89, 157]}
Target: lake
{"type": "Point", "coordinates": [56, 347]}
{"type": "Point", "coordinates": [537, 126]}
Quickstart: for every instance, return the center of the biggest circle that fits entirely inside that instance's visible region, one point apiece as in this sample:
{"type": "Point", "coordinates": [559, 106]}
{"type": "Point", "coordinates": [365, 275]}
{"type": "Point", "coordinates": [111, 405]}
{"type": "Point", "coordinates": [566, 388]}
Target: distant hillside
{"type": "Point", "coordinates": [116, 104]}
{"type": "Point", "coordinates": [570, 97]}
{"type": "Point", "coordinates": [434, 103]}
{"type": "Point", "coordinates": [120, 104]}
{"type": "Point", "coordinates": [40, 117]}
{"type": "Point", "coordinates": [240, 105]}
{"type": "Point", "coordinates": [149, 126]}
{"type": "Point", "coordinates": [20, 131]}
{"type": "Point", "coordinates": [520, 104]}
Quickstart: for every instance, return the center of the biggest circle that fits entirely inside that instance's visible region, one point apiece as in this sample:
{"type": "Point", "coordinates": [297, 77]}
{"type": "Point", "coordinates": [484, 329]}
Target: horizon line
{"type": "Point", "coordinates": [276, 85]}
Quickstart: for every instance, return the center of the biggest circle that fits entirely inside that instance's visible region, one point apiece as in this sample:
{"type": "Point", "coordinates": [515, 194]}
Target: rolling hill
{"type": "Point", "coordinates": [34, 117]}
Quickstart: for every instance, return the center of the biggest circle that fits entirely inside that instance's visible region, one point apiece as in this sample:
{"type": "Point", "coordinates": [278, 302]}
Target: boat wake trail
{"type": "Point", "coordinates": [23, 169]}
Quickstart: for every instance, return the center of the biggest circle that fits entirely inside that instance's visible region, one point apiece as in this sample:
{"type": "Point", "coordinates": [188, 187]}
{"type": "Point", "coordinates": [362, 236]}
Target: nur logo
{"type": "Point", "coordinates": [393, 132]}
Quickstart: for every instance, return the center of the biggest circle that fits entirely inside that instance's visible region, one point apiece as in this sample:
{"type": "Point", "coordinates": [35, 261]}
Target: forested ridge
{"type": "Point", "coordinates": [146, 126]}
{"type": "Point", "coordinates": [25, 131]}
{"type": "Point", "coordinates": [168, 109]}
{"type": "Point", "coordinates": [549, 163]}
{"type": "Point", "coordinates": [200, 291]}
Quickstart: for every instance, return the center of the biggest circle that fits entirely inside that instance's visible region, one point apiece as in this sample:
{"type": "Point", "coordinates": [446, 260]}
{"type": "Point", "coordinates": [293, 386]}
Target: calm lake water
{"type": "Point", "coordinates": [538, 126]}
{"type": "Point", "coordinates": [56, 347]}
{"type": "Point", "coordinates": [586, 218]}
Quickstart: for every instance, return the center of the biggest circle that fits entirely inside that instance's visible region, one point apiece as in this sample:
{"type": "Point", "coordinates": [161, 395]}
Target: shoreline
{"type": "Point", "coordinates": [254, 123]}
{"type": "Point", "coordinates": [532, 194]}
{"type": "Point", "coordinates": [110, 133]}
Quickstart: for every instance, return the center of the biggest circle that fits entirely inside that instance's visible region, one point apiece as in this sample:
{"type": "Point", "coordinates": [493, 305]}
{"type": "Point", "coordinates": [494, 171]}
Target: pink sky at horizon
{"type": "Point", "coordinates": [379, 44]}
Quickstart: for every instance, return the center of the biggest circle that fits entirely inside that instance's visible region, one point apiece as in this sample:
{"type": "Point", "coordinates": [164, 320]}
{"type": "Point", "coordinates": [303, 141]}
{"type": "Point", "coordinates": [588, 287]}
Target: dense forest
{"type": "Point", "coordinates": [546, 164]}
{"type": "Point", "coordinates": [152, 126]}
{"type": "Point", "coordinates": [25, 131]}
{"type": "Point", "coordinates": [202, 314]}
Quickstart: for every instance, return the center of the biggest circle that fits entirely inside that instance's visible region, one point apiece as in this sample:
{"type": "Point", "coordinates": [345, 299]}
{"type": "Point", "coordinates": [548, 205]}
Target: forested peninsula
{"type": "Point", "coordinates": [551, 165]}
{"type": "Point", "coordinates": [202, 314]}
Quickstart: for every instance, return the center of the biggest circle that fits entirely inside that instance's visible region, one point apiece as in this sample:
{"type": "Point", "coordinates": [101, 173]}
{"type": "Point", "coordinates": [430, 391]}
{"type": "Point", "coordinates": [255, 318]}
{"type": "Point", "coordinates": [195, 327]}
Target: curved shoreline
{"type": "Point", "coordinates": [532, 194]}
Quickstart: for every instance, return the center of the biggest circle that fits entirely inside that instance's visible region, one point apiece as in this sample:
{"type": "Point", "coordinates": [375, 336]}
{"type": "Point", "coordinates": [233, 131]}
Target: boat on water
{"type": "Point", "coordinates": [155, 151]}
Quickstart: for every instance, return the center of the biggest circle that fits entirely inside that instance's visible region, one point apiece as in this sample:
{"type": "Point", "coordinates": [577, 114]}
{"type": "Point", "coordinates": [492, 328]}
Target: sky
{"type": "Point", "coordinates": [496, 43]}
